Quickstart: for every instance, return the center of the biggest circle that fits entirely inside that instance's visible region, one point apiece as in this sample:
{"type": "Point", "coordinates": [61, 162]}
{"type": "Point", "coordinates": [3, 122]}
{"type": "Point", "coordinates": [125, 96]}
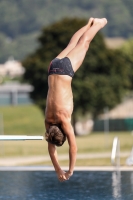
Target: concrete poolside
{"type": "Point", "coordinates": [49, 168]}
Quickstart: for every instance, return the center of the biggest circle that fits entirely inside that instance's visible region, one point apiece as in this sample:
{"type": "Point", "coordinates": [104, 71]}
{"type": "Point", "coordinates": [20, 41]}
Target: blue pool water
{"type": "Point", "coordinates": [84, 185]}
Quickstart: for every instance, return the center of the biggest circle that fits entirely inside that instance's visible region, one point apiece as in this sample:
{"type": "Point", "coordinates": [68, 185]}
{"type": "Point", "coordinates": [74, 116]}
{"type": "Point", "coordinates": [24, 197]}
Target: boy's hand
{"type": "Point", "coordinates": [61, 175]}
{"type": "Point", "coordinates": [68, 175]}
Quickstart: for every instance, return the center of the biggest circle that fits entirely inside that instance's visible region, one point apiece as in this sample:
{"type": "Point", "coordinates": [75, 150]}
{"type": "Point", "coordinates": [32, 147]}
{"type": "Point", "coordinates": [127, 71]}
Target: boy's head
{"type": "Point", "coordinates": [55, 135]}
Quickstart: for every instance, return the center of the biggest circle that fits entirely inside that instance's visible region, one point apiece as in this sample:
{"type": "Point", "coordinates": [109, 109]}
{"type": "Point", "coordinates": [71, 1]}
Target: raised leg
{"type": "Point", "coordinates": [77, 54]}
{"type": "Point", "coordinates": [75, 38]}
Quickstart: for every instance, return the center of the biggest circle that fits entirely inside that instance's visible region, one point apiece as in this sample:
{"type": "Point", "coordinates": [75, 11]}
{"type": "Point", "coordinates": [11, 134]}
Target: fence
{"type": "Point", "coordinates": [114, 124]}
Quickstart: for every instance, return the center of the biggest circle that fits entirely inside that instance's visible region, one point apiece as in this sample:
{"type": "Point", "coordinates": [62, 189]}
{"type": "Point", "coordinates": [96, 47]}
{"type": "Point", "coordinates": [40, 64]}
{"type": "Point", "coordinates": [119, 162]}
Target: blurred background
{"type": "Point", "coordinates": [32, 33]}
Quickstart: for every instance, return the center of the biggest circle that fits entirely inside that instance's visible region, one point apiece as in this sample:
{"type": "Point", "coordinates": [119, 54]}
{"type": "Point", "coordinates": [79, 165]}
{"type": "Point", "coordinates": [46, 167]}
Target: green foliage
{"type": "Point", "coordinates": [101, 81]}
{"type": "Point", "coordinates": [18, 20]}
{"type": "Point", "coordinates": [17, 48]}
{"type": "Point", "coordinates": [104, 80]}
{"type": "Point", "coordinates": [21, 20]}
{"type": "Point", "coordinates": [127, 50]}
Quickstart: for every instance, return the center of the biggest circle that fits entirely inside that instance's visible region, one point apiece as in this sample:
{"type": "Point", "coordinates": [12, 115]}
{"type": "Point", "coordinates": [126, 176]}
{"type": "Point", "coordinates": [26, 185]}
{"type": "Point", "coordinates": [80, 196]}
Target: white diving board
{"type": "Point", "coordinates": [20, 137]}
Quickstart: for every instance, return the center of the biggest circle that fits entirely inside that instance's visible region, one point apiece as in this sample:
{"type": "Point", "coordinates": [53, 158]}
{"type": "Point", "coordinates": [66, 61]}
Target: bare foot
{"type": "Point", "coordinates": [102, 22]}
{"type": "Point", "coordinates": [90, 22]}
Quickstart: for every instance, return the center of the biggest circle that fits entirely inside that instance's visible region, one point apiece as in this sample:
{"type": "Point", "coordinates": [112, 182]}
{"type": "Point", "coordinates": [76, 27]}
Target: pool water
{"type": "Point", "coordinates": [83, 185]}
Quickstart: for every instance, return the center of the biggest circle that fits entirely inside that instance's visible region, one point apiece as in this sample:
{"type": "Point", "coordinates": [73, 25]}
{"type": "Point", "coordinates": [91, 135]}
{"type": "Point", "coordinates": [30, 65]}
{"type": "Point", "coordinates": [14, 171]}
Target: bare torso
{"type": "Point", "coordinates": [59, 98]}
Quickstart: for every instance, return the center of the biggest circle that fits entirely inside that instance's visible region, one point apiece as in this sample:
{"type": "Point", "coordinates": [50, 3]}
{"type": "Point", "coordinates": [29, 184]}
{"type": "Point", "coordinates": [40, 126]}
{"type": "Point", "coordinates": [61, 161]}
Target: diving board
{"type": "Point", "coordinates": [20, 137]}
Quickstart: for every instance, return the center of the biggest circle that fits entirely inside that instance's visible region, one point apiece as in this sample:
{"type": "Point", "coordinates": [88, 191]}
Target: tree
{"type": "Point", "coordinates": [18, 30]}
{"type": "Point", "coordinates": [127, 50]}
{"type": "Point", "coordinates": [100, 82]}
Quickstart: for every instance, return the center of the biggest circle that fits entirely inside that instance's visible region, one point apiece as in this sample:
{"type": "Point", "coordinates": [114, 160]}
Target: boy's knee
{"type": "Point", "coordinates": [71, 45]}
{"type": "Point", "coordinates": [85, 41]}
{"type": "Point", "coordinates": [85, 44]}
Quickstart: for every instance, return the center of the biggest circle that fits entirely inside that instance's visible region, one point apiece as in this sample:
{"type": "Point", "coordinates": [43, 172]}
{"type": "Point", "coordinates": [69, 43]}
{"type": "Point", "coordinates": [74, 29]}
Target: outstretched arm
{"type": "Point", "coordinates": [68, 129]}
{"type": "Point", "coordinates": [62, 175]}
{"type": "Point", "coordinates": [53, 154]}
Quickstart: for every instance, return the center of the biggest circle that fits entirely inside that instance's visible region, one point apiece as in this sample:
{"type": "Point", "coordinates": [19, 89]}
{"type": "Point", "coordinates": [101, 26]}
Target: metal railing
{"type": "Point", "coordinates": [115, 156]}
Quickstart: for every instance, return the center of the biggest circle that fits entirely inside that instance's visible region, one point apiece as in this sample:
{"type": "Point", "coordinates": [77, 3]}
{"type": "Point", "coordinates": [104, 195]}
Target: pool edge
{"type": "Point", "coordinates": [49, 168]}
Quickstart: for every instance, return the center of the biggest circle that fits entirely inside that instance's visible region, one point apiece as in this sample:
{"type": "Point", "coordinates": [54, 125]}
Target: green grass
{"type": "Point", "coordinates": [35, 148]}
{"type": "Point", "coordinates": [93, 143]}
{"type": "Point", "coordinates": [88, 162]}
{"type": "Point", "coordinates": [30, 121]}
{"type": "Point", "coordinates": [26, 120]}
{"type": "Point", "coordinates": [99, 142]}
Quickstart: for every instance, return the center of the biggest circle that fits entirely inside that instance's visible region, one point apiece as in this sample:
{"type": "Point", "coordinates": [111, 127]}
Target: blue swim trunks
{"type": "Point", "coordinates": [61, 66]}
